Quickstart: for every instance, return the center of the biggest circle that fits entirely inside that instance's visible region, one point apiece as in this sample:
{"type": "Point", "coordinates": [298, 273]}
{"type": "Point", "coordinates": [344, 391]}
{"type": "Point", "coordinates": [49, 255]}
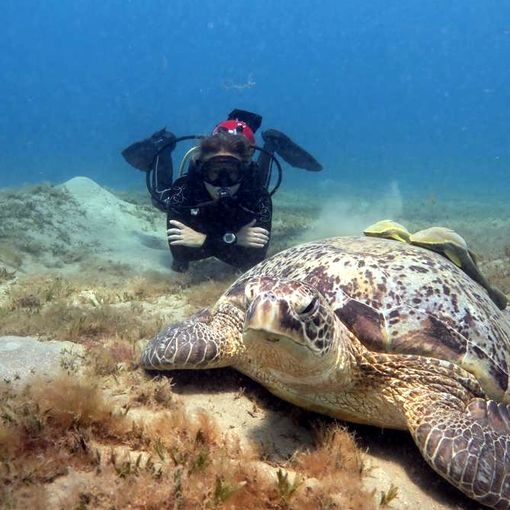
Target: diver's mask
{"type": "Point", "coordinates": [222, 176]}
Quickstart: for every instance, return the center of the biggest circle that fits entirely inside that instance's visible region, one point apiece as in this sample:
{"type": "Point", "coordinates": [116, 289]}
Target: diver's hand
{"type": "Point", "coordinates": [182, 235]}
{"type": "Point", "coordinates": [252, 237]}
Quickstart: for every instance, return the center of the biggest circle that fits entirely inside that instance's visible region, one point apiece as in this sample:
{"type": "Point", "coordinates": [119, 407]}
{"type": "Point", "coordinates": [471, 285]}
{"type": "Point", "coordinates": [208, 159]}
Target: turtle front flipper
{"type": "Point", "coordinates": [209, 339]}
{"type": "Point", "coordinates": [468, 444]}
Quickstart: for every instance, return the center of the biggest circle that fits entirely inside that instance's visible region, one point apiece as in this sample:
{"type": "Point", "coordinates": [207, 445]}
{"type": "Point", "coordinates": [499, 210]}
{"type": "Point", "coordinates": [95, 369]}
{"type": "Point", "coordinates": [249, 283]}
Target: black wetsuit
{"type": "Point", "coordinates": [190, 203]}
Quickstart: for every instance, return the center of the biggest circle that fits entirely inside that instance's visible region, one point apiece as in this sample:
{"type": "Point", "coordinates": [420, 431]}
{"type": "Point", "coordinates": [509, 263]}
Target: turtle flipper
{"type": "Point", "coordinates": [499, 298]}
{"type": "Point", "coordinates": [469, 445]}
{"type": "Point", "coordinates": [203, 341]}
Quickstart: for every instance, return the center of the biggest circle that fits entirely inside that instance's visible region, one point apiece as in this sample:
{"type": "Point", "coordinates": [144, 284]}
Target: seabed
{"type": "Point", "coordinates": [85, 281]}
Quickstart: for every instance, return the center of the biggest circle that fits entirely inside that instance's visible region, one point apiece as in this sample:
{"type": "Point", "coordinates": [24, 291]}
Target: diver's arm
{"type": "Point", "coordinates": [217, 241]}
{"type": "Point", "coordinates": [154, 156]}
{"type": "Point", "coordinates": [264, 164]}
{"type": "Point", "coordinates": [264, 211]}
{"type": "Point", "coordinates": [179, 212]}
{"type": "Point", "coordinates": [181, 253]}
{"type": "Point", "coordinates": [260, 225]}
{"type": "Point", "coordinates": [159, 179]}
{"type": "Point", "coordinates": [245, 256]}
{"type": "Point", "coordinates": [180, 234]}
{"type": "Point", "coordinates": [214, 242]}
{"type": "Point", "coordinates": [163, 170]}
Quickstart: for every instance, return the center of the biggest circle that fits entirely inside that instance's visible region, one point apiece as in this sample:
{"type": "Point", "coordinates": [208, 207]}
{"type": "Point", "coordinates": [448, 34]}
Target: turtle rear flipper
{"type": "Point", "coordinates": [290, 151]}
{"type": "Point", "coordinates": [469, 445]}
{"type": "Point", "coordinates": [498, 297]}
{"type": "Point", "coordinates": [470, 267]}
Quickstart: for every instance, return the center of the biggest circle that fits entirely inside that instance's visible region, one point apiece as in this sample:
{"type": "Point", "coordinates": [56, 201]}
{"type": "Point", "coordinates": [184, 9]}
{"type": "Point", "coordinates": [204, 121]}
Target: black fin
{"type": "Point", "coordinates": [141, 155]}
{"type": "Point", "coordinates": [290, 151]}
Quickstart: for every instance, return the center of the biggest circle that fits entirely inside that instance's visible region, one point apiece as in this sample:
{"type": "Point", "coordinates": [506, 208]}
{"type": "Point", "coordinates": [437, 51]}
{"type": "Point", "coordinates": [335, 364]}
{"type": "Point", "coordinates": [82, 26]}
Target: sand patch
{"type": "Point", "coordinates": [77, 224]}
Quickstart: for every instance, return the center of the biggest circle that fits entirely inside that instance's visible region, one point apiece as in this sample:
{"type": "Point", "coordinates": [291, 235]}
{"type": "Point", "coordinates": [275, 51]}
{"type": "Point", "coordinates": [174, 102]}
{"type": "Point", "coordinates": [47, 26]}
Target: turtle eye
{"type": "Point", "coordinates": [309, 307]}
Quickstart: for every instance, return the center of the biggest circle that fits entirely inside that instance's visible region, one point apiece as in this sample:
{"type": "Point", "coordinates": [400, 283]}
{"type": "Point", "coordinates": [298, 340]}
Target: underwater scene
{"type": "Point", "coordinates": [255, 254]}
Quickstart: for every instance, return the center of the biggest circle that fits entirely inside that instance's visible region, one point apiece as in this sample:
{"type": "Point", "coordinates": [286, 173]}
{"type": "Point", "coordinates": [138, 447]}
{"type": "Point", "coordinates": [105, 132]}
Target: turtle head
{"type": "Point", "coordinates": [209, 339]}
{"type": "Point", "coordinates": [291, 326]}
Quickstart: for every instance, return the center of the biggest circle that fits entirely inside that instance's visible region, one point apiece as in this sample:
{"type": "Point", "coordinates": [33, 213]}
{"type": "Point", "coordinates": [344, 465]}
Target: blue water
{"type": "Point", "coordinates": [415, 92]}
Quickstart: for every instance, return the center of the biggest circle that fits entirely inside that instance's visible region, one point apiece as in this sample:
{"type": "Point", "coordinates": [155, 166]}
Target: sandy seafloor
{"type": "Point", "coordinates": [111, 245]}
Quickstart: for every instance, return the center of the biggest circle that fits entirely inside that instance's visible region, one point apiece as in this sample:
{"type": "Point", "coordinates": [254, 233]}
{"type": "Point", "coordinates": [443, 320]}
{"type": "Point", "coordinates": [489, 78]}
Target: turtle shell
{"type": "Point", "coordinates": [399, 298]}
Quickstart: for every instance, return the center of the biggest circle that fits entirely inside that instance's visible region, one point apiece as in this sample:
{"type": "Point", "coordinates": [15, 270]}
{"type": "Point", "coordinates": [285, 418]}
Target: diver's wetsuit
{"type": "Point", "coordinates": [186, 200]}
{"type": "Point", "coordinates": [216, 219]}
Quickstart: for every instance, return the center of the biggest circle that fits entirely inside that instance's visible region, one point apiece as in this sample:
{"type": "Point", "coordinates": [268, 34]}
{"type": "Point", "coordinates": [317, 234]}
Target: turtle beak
{"type": "Point", "coordinates": [263, 318]}
{"type": "Point", "coordinates": [257, 315]}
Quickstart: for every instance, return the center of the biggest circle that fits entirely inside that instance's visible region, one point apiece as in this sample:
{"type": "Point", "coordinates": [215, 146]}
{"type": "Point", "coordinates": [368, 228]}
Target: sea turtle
{"type": "Point", "coordinates": [371, 331]}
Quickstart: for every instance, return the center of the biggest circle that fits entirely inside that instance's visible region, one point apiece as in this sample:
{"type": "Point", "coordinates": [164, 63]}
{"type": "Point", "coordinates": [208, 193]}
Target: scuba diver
{"type": "Point", "coordinates": [220, 205]}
